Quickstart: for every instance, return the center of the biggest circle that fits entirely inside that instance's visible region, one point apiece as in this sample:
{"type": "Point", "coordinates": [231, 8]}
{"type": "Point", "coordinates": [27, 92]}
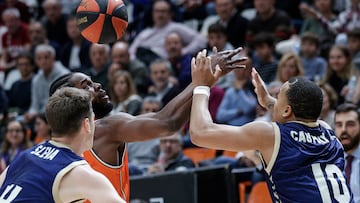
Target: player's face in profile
{"type": "Point", "coordinates": [101, 103]}
{"type": "Point", "coordinates": [281, 104]}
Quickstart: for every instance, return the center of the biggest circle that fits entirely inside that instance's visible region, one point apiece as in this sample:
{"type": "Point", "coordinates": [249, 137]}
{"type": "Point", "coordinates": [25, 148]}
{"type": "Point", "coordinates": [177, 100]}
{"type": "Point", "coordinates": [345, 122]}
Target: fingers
{"type": "Point", "coordinates": [218, 72]}
{"type": "Point", "coordinates": [214, 50]}
{"type": "Point", "coordinates": [234, 52]}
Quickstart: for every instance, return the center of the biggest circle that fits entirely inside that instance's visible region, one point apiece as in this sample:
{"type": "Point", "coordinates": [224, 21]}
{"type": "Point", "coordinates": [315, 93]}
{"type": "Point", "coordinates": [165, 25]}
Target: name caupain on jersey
{"type": "Point", "coordinates": [306, 137]}
{"type": "Point", "coordinates": [48, 153]}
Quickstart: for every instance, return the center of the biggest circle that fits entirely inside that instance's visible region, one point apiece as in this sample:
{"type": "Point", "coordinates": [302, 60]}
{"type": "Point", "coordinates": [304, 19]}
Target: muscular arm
{"type": "Point", "coordinates": [82, 182]}
{"type": "Point", "coordinates": [205, 133]}
{"type": "Point", "coordinates": [127, 128]}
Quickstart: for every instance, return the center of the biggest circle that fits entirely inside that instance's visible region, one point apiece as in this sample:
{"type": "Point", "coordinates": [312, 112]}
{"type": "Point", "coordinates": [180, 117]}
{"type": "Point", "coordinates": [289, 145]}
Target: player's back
{"type": "Point", "coordinates": [307, 165]}
{"type": "Point", "coordinates": [34, 176]}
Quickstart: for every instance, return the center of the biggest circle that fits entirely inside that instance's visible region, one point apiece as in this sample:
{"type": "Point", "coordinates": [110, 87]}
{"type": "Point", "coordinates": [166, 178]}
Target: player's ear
{"type": "Point", "coordinates": [87, 125]}
{"type": "Point", "coordinates": [287, 111]}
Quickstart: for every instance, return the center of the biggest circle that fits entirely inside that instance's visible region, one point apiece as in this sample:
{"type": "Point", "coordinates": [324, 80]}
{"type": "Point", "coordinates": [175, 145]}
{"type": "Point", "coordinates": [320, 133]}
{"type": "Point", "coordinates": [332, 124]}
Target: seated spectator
{"type": "Point", "coordinates": [42, 129]}
{"type": "Point", "coordinates": [151, 40]}
{"type": "Point", "coordinates": [181, 63]}
{"type": "Point", "coordinates": [289, 66]}
{"type": "Point", "coordinates": [145, 153]}
{"type": "Point", "coordinates": [16, 140]}
{"type": "Point", "coordinates": [171, 157]}
{"type": "Point", "coordinates": [15, 40]}
{"type": "Point", "coordinates": [162, 88]}
{"type": "Point", "coordinates": [75, 53]}
{"type": "Point", "coordinates": [139, 72]}
{"type": "Point", "coordinates": [314, 65]}
{"type": "Point", "coordinates": [339, 71]}
{"type": "Point", "coordinates": [20, 92]}
{"type": "Point", "coordinates": [37, 34]}
{"type": "Point", "coordinates": [25, 15]}
{"type": "Point", "coordinates": [3, 104]}
{"type": "Point", "coordinates": [329, 105]}
{"type": "Point", "coordinates": [264, 59]}
{"type": "Point", "coordinates": [271, 20]}
{"type": "Point", "coordinates": [49, 70]}
{"type": "Point", "coordinates": [123, 93]}
{"type": "Point", "coordinates": [238, 106]}
{"type": "Point", "coordinates": [217, 38]}
{"type": "Point", "coordinates": [311, 24]}
{"type": "Point", "coordinates": [353, 44]}
{"type": "Point", "coordinates": [100, 60]}
{"type": "Point", "coordinates": [55, 21]}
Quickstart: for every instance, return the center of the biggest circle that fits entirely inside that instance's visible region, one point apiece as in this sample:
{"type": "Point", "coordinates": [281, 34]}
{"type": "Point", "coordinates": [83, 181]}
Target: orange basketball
{"type": "Point", "coordinates": [102, 21]}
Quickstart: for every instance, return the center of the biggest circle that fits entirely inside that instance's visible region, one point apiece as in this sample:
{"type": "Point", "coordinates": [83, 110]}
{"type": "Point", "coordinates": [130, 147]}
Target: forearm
{"type": "Point", "coordinates": [200, 117]}
{"type": "Point", "coordinates": [177, 111]}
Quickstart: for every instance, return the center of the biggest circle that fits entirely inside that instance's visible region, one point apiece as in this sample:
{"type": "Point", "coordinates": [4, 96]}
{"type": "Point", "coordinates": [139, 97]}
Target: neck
{"type": "Point", "coordinates": [69, 142]}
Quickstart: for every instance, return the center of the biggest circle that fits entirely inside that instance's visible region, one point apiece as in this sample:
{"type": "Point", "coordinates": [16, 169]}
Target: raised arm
{"type": "Point", "coordinates": [204, 132]}
{"type": "Point", "coordinates": [127, 128]}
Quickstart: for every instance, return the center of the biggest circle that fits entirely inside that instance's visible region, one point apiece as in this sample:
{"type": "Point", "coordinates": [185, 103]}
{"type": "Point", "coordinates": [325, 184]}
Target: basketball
{"type": "Point", "coordinates": [102, 21]}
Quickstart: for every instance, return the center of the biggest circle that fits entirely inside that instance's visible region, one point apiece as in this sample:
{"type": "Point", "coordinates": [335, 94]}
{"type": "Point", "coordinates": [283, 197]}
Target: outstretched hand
{"type": "Point", "coordinates": [201, 72]}
{"type": "Point", "coordinates": [229, 59]}
{"type": "Point", "coordinates": [263, 95]}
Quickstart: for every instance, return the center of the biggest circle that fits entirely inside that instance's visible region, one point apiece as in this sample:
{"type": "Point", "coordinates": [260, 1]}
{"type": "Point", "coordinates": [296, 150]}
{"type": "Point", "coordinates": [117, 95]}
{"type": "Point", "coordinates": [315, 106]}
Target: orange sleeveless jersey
{"type": "Point", "coordinates": [118, 175]}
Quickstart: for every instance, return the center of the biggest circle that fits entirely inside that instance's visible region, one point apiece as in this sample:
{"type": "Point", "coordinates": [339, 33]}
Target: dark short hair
{"type": "Point", "coordinates": [66, 109]}
{"type": "Point", "coordinates": [264, 38]}
{"type": "Point", "coordinates": [355, 33]}
{"type": "Point", "coordinates": [305, 98]}
{"type": "Point", "coordinates": [62, 81]}
{"type": "Point", "coordinates": [347, 107]}
{"type": "Point", "coordinates": [311, 37]}
{"type": "Point", "coordinates": [217, 28]}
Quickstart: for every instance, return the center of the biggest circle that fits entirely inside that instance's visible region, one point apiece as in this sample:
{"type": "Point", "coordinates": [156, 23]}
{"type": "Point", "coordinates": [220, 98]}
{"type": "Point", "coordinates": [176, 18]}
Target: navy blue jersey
{"type": "Point", "coordinates": [34, 176]}
{"type": "Point", "coordinates": [307, 165]}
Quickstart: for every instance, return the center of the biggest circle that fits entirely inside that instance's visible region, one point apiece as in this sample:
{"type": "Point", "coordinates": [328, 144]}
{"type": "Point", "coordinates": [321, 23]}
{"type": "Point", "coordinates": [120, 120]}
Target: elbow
{"type": "Point", "coordinates": [197, 133]}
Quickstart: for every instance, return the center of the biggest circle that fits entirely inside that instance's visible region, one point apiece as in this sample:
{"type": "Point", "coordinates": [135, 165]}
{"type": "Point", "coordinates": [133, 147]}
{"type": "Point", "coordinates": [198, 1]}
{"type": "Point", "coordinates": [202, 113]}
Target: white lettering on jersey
{"type": "Point", "coordinates": [306, 137]}
{"type": "Point", "coordinates": [48, 153]}
{"type": "Point", "coordinates": [10, 191]}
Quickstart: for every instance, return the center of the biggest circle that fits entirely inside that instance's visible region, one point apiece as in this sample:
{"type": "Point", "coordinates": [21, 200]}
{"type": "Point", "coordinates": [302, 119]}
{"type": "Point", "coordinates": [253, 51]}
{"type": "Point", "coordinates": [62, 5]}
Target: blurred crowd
{"type": "Point", "coordinates": [150, 65]}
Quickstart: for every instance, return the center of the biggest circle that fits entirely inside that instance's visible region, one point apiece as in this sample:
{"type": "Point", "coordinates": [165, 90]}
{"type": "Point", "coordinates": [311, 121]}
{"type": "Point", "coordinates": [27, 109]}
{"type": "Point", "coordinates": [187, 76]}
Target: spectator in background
{"type": "Point", "coordinates": [171, 157]}
{"type": "Point", "coordinates": [123, 93]}
{"type": "Point", "coordinates": [37, 34]}
{"type": "Point", "coordinates": [327, 113]}
{"type": "Point", "coordinates": [151, 40]}
{"type": "Point", "coordinates": [100, 60]}
{"type": "Point", "coordinates": [180, 63]}
{"type": "Point", "coordinates": [42, 129]}
{"type": "Point", "coordinates": [3, 104]}
{"type": "Point", "coordinates": [20, 92]}
{"type": "Point", "coordinates": [271, 20]}
{"type": "Point", "coordinates": [217, 38]}
{"type": "Point", "coordinates": [75, 53]}
{"type": "Point", "coordinates": [238, 106]}
{"type": "Point", "coordinates": [139, 72]}
{"type": "Point", "coordinates": [339, 71]}
{"type": "Point", "coordinates": [311, 24]}
{"type": "Point", "coordinates": [162, 88]}
{"type": "Point", "coordinates": [353, 44]}
{"type": "Point", "coordinates": [145, 153]}
{"type": "Point", "coordinates": [25, 16]}
{"type": "Point", "coordinates": [193, 13]}
{"type": "Point", "coordinates": [264, 59]}
{"type": "Point", "coordinates": [55, 21]}
{"type": "Point", "coordinates": [289, 66]}
{"type": "Point", "coordinates": [49, 70]}
{"type": "Point", "coordinates": [15, 40]}
{"type": "Point", "coordinates": [347, 129]}
{"type": "Point", "coordinates": [314, 65]}
{"type": "Point", "coordinates": [16, 140]}
{"type": "Point", "coordinates": [232, 20]}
